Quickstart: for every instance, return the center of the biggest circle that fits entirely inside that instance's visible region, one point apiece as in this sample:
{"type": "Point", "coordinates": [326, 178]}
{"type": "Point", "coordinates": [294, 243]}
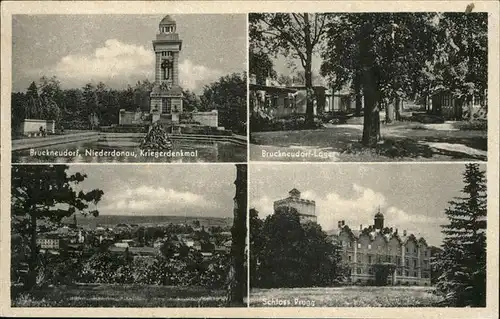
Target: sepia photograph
{"type": "Point", "coordinates": [368, 87]}
{"type": "Point", "coordinates": [367, 235]}
{"type": "Point", "coordinates": [128, 236]}
{"type": "Point", "coordinates": [129, 88]}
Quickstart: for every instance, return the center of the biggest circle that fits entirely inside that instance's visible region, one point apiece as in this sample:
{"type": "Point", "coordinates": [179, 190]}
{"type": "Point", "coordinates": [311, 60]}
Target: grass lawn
{"type": "Point", "coordinates": [400, 142]}
{"type": "Point", "coordinates": [346, 297]}
{"type": "Point", "coordinates": [105, 295]}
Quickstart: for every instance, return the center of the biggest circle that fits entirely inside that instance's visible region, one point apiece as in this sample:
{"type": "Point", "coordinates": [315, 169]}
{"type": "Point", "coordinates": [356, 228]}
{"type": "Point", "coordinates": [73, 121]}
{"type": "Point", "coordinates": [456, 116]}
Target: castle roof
{"type": "Point", "coordinates": [167, 20]}
{"type": "Point", "coordinates": [356, 234]}
{"type": "Point", "coordinates": [379, 214]}
{"type": "Point", "coordinates": [294, 192]}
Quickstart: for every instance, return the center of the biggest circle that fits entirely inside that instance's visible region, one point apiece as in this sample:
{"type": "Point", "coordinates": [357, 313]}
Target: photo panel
{"type": "Point", "coordinates": [133, 88]}
{"type": "Point", "coordinates": [367, 235]}
{"type": "Point", "coordinates": [368, 87]}
{"type": "Point", "coordinates": [128, 236]}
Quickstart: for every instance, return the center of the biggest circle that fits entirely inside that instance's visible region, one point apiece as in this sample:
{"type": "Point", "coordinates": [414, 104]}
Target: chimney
{"type": "Point", "coordinates": [404, 232]}
{"type": "Point", "coordinates": [360, 227]}
{"type": "Point", "coordinates": [396, 231]}
{"type": "Point", "coordinates": [339, 224]}
{"type": "Point", "coordinates": [343, 222]}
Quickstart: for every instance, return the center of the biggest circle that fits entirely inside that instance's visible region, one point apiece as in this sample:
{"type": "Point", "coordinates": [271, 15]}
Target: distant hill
{"type": "Point", "coordinates": [110, 220]}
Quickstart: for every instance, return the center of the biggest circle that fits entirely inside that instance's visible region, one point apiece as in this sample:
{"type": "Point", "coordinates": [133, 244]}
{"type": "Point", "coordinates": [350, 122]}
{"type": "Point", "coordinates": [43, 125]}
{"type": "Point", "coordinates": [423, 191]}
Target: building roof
{"type": "Point", "coordinates": [167, 20]}
{"type": "Point", "coordinates": [294, 192]}
{"type": "Point", "coordinates": [356, 234]}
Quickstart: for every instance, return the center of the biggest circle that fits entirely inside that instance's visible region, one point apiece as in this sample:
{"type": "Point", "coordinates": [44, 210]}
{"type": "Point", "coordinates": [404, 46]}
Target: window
{"type": "Point", "coordinates": [415, 263]}
{"type": "Point", "coordinates": [166, 105]}
{"type": "Point", "coordinates": [425, 253]}
{"type": "Point", "coordinates": [415, 250]}
{"type": "Point", "coordinates": [369, 259]}
{"type": "Point", "coordinates": [406, 273]}
{"type": "Point", "coordinates": [359, 245]}
{"type": "Point", "coordinates": [398, 261]}
{"type": "Point", "coordinates": [359, 271]}
{"type": "Point", "coordinates": [349, 257]}
{"type": "Point", "coordinates": [406, 249]}
{"type": "Point", "coordinates": [349, 244]}
{"type": "Point", "coordinates": [370, 271]}
{"type": "Point", "coordinates": [369, 246]}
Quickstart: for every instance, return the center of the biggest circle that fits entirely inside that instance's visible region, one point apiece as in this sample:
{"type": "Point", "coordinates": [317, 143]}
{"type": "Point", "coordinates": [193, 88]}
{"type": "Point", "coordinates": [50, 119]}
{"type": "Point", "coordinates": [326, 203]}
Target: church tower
{"type": "Point", "coordinates": [166, 97]}
{"type": "Point", "coordinates": [379, 220]}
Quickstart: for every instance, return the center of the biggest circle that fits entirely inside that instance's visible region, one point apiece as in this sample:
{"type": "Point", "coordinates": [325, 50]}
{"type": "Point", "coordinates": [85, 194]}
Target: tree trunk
{"type": "Point", "coordinates": [357, 93]}
{"type": "Point", "coordinates": [371, 123]}
{"type": "Point", "coordinates": [32, 271]}
{"type": "Point", "coordinates": [309, 122]}
{"type": "Point", "coordinates": [398, 108]}
{"type": "Point", "coordinates": [471, 108]}
{"type": "Point", "coordinates": [236, 289]}
{"type": "Point", "coordinates": [309, 99]}
{"type": "Point", "coordinates": [389, 112]}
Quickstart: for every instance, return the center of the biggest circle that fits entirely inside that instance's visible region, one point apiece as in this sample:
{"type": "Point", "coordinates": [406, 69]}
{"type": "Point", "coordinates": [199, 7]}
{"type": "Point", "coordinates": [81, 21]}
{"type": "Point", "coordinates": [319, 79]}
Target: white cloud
{"type": "Point", "coordinates": [360, 209]}
{"type": "Point", "coordinates": [118, 64]}
{"type": "Point", "coordinates": [114, 60]}
{"type": "Point", "coordinates": [193, 76]}
{"type": "Point", "coordinates": [147, 199]}
{"type": "Point", "coordinates": [354, 211]}
{"type": "Point", "coordinates": [264, 205]}
{"type": "Point", "coordinates": [333, 207]}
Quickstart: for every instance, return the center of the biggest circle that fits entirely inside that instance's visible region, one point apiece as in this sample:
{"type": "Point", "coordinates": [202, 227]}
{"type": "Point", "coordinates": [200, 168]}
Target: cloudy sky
{"type": "Point", "coordinates": [411, 197]}
{"type": "Point", "coordinates": [117, 49]}
{"type": "Point", "coordinates": [177, 190]}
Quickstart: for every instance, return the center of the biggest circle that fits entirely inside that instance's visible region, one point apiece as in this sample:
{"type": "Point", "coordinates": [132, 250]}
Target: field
{"type": "Point", "coordinates": [113, 220]}
{"type": "Point", "coordinates": [345, 297]}
{"type": "Point", "coordinates": [100, 295]}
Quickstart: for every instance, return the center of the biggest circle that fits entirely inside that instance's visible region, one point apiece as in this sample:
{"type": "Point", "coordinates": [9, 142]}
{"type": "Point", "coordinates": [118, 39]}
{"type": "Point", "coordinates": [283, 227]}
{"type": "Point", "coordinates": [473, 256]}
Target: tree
{"type": "Point", "coordinates": [294, 254]}
{"type": "Point", "coordinates": [45, 193]}
{"type": "Point", "coordinates": [381, 54]}
{"type": "Point", "coordinates": [237, 275]}
{"type": "Point", "coordinates": [190, 101]}
{"type": "Point", "coordinates": [293, 35]}
{"type": "Point", "coordinates": [260, 65]}
{"type": "Point", "coordinates": [462, 262]}
{"type": "Point", "coordinates": [229, 96]}
{"type": "Point", "coordinates": [256, 244]}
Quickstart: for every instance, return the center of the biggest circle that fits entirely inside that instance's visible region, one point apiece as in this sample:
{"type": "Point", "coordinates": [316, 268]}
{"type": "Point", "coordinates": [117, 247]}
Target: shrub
{"type": "Point", "coordinates": [288, 123]}
{"type": "Point", "coordinates": [477, 125]}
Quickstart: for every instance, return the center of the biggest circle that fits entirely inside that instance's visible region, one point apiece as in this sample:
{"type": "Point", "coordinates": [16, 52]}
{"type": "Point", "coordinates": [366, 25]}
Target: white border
{"type": "Point", "coordinates": [25, 7]}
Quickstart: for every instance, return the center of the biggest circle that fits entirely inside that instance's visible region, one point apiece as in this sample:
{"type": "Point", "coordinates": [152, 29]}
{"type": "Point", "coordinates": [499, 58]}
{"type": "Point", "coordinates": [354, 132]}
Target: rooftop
{"type": "Point", "coordinates": [167, 20]}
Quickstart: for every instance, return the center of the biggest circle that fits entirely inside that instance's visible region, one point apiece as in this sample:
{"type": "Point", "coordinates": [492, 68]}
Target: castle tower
{"type": "Point", "coordinates": [166, 97]}
{"type": "Point", "coordinates": [379, 220]}
{"type": "Point", "coordinates": [306, 208]}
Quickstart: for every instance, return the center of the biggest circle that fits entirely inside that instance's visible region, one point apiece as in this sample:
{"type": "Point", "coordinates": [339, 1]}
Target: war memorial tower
{"type": "Point", "coordinates": [166, 96]}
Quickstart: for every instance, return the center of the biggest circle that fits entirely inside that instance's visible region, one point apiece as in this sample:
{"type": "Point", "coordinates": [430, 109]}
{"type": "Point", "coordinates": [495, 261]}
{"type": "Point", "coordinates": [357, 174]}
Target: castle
{"type": "Point", "coordinates": [166, 105]}
{"type": "Point", "coordinates": [306, 208]}
{"type": "Point", "coordinates": [407, 256]}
